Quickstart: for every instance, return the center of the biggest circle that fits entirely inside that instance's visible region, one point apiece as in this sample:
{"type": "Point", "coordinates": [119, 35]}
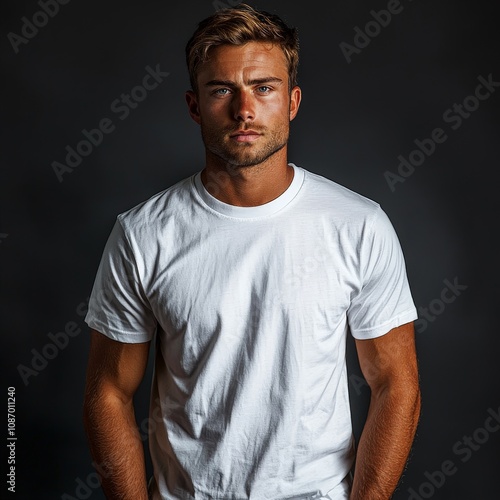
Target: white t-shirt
{"type": "Point", "coordinates": [251, 307]}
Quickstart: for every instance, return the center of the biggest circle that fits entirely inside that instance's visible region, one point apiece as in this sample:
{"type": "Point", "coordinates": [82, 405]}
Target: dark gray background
{"type": "Point", "coordinates": [354, 121]}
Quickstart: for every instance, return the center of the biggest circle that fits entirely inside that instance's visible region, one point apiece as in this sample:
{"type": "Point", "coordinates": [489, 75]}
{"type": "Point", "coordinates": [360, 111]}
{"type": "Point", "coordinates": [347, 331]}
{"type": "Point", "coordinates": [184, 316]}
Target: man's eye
{"type": "Point", "coordinates": [264, 88]}
{"type": "Point", "coordinates": [221, 91]}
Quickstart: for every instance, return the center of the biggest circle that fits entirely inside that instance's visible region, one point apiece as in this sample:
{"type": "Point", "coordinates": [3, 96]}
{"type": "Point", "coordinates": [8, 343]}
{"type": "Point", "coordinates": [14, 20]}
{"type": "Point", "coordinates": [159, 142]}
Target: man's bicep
{"type": "Point", "coordinates": [116, 367]}
{"type": "Point", "coordinates": [390, 358]}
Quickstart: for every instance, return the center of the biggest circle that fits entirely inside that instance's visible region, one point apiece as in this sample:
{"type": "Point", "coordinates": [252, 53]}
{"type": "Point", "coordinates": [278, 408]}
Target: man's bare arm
{"type": "Point", "coordinates": [114, 373]}
{"type": "Point", "coordinates": [389, 365]}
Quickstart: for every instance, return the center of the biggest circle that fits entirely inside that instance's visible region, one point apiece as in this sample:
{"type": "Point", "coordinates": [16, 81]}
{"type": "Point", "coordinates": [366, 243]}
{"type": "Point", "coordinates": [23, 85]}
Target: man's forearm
{"type": "Point", "coordinates": [116, 447]}
{"type": "Point", "coordinates": [385, 444]}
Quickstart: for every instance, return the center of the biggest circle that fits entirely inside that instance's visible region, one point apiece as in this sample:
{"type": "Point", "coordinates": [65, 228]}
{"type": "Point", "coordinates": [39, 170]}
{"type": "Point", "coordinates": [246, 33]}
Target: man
{"type": "Point", "coordinates": [249, 275]}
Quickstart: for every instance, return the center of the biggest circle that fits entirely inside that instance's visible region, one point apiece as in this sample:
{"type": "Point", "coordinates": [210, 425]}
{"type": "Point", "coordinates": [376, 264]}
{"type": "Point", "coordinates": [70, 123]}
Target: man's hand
{"type": "Point", "coordinates": [114, 373]}
{"type": "Point", "coordinates": [389, 365]}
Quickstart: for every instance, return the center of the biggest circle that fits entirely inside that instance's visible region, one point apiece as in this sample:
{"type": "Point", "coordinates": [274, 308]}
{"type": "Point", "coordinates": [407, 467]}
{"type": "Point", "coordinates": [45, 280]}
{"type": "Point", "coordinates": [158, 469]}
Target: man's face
{"type": "Point", "coordinates": [243, 105]}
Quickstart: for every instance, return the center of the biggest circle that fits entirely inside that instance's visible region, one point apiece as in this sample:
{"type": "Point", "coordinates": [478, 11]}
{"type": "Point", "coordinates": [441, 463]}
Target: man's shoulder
{"type": "Point", "coordinates": [336, 198]}
{"type": "Point", "coordinates": [161, 206]}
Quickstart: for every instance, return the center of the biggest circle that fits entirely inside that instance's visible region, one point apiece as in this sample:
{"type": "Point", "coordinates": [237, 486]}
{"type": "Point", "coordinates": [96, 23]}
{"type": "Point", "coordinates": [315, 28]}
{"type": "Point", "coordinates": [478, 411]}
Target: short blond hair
{"type": "Point", "coordinates": [237, 26]}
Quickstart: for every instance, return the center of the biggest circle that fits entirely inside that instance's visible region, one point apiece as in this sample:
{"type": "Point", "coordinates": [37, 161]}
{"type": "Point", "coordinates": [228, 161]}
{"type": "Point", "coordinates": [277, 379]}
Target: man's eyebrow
{"type": "Point", "coordinates": [254, 81]}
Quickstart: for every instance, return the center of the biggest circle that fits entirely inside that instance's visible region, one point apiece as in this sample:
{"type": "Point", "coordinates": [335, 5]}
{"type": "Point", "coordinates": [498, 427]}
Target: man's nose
{"type": "Point", "coordinates": [244, 106]}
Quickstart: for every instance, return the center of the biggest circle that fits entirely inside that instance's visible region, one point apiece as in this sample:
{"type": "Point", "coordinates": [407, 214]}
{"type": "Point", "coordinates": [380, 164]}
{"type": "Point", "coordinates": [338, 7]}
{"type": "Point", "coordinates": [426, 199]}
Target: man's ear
{"type": "Point", "coordinates": [295, 98]}
{"type": "Point", "coordinates": [192, 102]}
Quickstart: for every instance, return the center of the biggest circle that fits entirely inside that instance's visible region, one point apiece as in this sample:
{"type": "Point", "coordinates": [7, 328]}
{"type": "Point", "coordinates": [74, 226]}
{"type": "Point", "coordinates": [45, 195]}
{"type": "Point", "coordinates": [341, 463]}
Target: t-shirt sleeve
{"type": "Point", "coordinates": [383, 300]}
{"type": "Point", "coordinates": [118, 306]}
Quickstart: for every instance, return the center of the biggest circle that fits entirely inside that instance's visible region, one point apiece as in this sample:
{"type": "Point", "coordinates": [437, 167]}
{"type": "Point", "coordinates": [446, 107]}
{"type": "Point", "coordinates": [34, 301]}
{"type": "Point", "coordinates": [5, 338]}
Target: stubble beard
{"type": "Point", "coordinates": [244, 154]}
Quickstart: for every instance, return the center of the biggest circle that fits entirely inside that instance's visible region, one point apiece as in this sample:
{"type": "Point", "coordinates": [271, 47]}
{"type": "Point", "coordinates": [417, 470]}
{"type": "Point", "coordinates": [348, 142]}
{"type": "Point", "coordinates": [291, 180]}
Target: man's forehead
{"type": "Point", "coordinates": [259, 53]}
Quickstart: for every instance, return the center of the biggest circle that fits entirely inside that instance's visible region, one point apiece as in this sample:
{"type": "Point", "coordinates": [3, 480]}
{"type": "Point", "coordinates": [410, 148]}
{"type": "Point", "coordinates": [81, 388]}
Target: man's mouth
{"type": "Point", "coordinates": [245, 135]}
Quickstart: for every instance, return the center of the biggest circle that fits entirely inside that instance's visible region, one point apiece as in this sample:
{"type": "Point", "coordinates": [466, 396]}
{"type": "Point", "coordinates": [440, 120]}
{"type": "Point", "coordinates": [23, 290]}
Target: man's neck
{"type": "Point", "coordinates": [247, 186]}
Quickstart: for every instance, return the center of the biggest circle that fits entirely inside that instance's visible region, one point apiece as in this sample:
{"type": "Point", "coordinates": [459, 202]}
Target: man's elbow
{"type": "Point", "coordinates": [408, 398]}
{"type": "Point", "coordinates": [402, 394]}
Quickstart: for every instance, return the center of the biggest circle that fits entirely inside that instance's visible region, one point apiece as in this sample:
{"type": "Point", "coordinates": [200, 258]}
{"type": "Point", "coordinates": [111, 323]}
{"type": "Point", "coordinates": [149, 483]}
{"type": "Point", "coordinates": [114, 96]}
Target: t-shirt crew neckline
{"type": "Point", "coordinates": [264, 210]}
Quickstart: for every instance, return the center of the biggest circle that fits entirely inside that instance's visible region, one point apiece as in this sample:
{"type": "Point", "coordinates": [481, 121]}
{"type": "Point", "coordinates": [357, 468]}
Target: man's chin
{"type": "Point", "coordinates": [245, 162]}
{"type": "Point", "coordinates": [246, 158]}
{"type": "Point", "coordinates": [237, 160]}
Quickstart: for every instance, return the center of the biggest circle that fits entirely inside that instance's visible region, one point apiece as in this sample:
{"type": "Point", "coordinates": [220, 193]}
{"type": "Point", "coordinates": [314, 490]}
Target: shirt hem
{"type": "Point", "coordinates": [380, 330]}
{"type": "Point", "coordinates": [114, 334]}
